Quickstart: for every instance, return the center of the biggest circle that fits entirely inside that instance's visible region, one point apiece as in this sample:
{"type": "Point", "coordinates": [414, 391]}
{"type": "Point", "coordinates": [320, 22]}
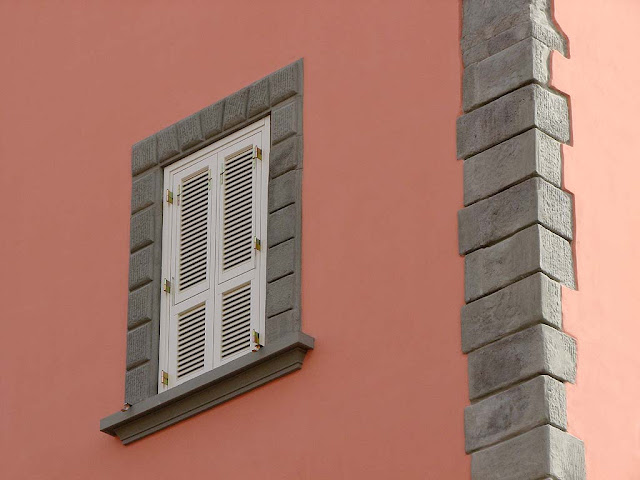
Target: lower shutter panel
{"type": "Point", "coordinates": [235, 337]}
{"type": "Point", "coordinates": [191, 341]}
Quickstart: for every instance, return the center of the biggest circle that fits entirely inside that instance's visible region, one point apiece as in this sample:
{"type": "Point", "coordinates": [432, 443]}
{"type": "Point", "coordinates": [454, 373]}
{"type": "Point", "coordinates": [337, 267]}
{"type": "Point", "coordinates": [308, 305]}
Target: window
{"type": "Point", "coordinates": [214, 266]}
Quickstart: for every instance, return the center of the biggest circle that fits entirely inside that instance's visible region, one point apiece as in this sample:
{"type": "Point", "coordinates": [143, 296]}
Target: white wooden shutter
{"type": "Point", "coordinates": [238, 286]}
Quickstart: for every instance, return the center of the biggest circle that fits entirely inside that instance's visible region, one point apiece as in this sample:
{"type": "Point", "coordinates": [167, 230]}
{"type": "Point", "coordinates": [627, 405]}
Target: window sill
{"type": "Point", "coordinates": [209, 389]}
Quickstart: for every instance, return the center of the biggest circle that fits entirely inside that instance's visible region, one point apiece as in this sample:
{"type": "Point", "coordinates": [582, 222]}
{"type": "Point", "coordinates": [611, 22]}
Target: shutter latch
{"type": "Point", "coordinates": [256, 341]}
{"type": "Point", "coordinates": [165, 378]}
{"type": "Point", "coordinates": [169, 196]}
{"type": "Point", "coordinates": [167, 286]}
{"type": "Point", "coordinates": [257, 243]}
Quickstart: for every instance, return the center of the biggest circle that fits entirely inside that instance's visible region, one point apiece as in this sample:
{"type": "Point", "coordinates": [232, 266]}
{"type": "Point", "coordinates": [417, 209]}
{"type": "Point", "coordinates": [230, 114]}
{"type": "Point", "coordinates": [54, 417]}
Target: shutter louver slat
{"type": "Point", "coordinates": [191, 341]}
{"type": "Point", "coordinates": [236, 321]}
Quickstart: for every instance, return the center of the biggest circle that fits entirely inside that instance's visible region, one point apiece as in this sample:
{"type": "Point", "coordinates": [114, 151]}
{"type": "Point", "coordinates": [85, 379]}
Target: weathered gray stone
{"type": "Point", "coordinates": [532, 153]}
{"type": "Point", "coordinates": [139, 345]}
{"type": "Point", "coordinates": [285, 156]}
{"type": "Point", "coordinates": [142, 229]}
{"type": "Point", "coordinates": [281, 225]}
{"type": "Point", "coordinates": [144, 190]}
{"type": "Point", "coordinates": [540, 401]}
{"type": "Point", "coordinates": [538, 350]}
{"type": "Point", "coordinates": [211, 119]}
{"type": "Point", "coordinates": [534, 249]}
{"type": "Point", "coordinates": [235, 110]}
{"type": "Point", "coordinates": [542, 452]}
{"type": "Point", "coordinates": [280, 325]}
{"type": "Point", "coordinates": [286, 121]}
{"type": "Point", "coordinates": [281, 295]}
{"type": "Point", "coordinates": [534, 299]}
{"type": "Point", "coordinates": [281, 260]}
{"type": "Point", "coordinates": [138, 384]}
{"type": "Point", "coordinates": [141, 305]}
{"type": "Point", "coordinates": [529, 202]}
{"type": "Point", "coordinates": [141, 267]}
{"type": "Point", "coordinates": [143, 155]}
{"type": "Point", "coordinates": [167, 143]}
{"type": "Point", "coordinates": [258, 97]}
{"type": "Point", "coordinates": [525, 108]}
{"type": "Point", "coordinates": [286, 82]}
{"type": "Point", "coordinates": [189, 131]}
{"type": "Point", "coordinates": [525, 62]}
{"type": "Point", "coordinates": [284, 190]}
{"type": "Point", "coordinates": [486, 19]}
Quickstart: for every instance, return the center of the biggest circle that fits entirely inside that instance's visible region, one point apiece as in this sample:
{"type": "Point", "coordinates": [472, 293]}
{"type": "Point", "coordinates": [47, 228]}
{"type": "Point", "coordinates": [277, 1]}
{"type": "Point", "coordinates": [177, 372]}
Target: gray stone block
{"type": "Point", "coordinates": [286, 82]}
{"type": "Point", "coordinates": [167, 143]}
{"type": "Point", "coordinates": [142, 229]}
{"type": "Point", "coordinates": [280, 325]}
{"type": "Point", "coordinates": [258, 97]}
{"type": "Point", "coordinates": [540, 401]}
{"type": "Point", "coordinates": [282, 224]}
{"type": "Point", "coordinates": [138, 384]}
{"type": "Point", "coordinates": [285, 156]}
{"type": "Point", "coordinates": [145, 189]}
{"type": "Point", "coordinates": [189, 131]}
{"type": "Point", "coordinates": [211, 119]}
{"type": "Point", "coordinates": [235, 110]}
{"type": "Point", "coordinates": [523, 63]}
{"type": "Point", "coordinates": [525, 108]}
{"type": "Point", "coordinates": [534, 249]}
{"type": "Point", "coordinates": [281, 260]}
{"type": "Point", "coordinates": [534, 299]}
{"type": "Point", "coordinates": [286, 121]}
{"type": "Point", "coordinates": [143, 155]}
{"type": "Point", "coordinates": [532, 153]}
{"type": "Point", "coordinates": [497, 217]}
{"type": "Point", "coordinates": [538, 350]}
{"type": "Point", "coordinates": [141, 267]}
{"type": "Point", "coordinates": [281, 295]}
{"type": "Point", "coordinates": [542, 452]}
{"type": "Point", "coordinates": [141, 305]}
{"type": "Point", "coordinates": [139, 346]}
{"type": "Point", "coordinates": [284, 190]}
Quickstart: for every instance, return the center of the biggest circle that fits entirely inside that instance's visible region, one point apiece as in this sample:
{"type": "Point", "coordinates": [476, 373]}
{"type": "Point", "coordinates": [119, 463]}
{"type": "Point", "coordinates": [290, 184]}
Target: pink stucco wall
{"type": "Point", "coordinates": [383, 393]}
{"type": "Point", "coordinates": [603, 171]}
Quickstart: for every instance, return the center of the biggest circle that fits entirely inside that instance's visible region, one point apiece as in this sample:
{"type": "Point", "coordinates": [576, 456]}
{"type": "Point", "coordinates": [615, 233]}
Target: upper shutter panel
{"type": "Point", "coordinates": [238, 205]}
{"type": "Point", "coordinates": [192, 264]}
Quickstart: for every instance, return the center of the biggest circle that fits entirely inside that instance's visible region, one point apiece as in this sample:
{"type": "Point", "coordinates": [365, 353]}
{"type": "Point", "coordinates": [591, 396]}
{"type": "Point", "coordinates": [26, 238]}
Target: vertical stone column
{"type": "Point", "coordinates": [515, 232]}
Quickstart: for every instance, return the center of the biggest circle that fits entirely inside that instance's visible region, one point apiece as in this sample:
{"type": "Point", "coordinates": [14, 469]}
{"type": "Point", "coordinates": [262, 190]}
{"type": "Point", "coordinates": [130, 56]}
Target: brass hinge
{"type": "Point", "coordinates": [169, 196]}
{"type": "Point", "coordinates": [257, 153]}
{"type": "Point", "coordinates": [167, 286]}
{"type": "Point", "coordinates": [256, 341]}
{"type": "Point", "coordinates": [257, 243]}
{"type": "Point", "coordinates": [165, 378]}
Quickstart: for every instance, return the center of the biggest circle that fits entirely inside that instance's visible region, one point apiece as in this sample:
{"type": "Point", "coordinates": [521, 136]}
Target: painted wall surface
{"type": "Point", "coordinates": [382, 395]}
{"type": "Point", "coordinates": [602, 170]}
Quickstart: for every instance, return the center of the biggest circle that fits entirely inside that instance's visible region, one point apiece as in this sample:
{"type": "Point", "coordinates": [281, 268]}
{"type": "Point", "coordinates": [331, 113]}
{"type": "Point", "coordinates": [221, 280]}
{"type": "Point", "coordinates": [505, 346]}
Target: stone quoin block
{"type": "Point", "coordinates": [525, 108]}
{"type": "Point", "coordinates": [282, 225]}
{"type": "Point", "coordinates": [281, 260]}
{"type": "Point", "coordinates": [539, 401]}
{"type": "Point", "coordinates": [280, 295]}
{"type": "Point", "coordinates": [142, 229]}
{"type": "Point", "coordinates": [532, 153]}
{"type": "Point", "coordinates": [542, 452]}
{"type": "Point", "coordinates": [138, 384]}
{"type": "Point", "coordinates": [285, 156]}
{"type": "Point", "coordinates": [285, 121]}
{"type": "Point", "coordinates": [529, 251]}
{"type": "Point", "coordinates": [284, 190]}
{"type": "Point", "coordinates": [538, 350]}
{"type": "Point", "coordinates": [525, 62]}
{"type": "Point", "coordinates": [145, 189]}
{"type": "Point", "coordinates": [258, 97]}
{"type": "Point", "coordinates": [143, 155]}
{"type": "Point", "coordinates": [286, 82]}
{"type": "Point", "coordinates": [141, 267]}
{"type": "Point", "coordinates": [139, 345]}
{"type": "Point", "coordinates": [235, 110]}
{"type": "Point", "coordinates": [189, 131]}
{"type": "Point", "coordinates": [279, 325]}
{"type": "Point", "coordinates": [529, 202]}
{"type": "Point", "coordinates": [140, 308]}
{"type": "Point", "coordinates": [211, 119]}
{"type": "Point", "coordinates": [534, 299]}
{"type": "Point", "coordinates": [167, 143]}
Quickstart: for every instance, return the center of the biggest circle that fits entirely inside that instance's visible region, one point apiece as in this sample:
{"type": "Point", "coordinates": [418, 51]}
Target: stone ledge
{"type": "Point", "coordinates": [209, 389]}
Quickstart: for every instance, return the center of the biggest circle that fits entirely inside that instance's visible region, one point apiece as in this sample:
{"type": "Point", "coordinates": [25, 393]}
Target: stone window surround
{"type": "Point", "coordinates": [278, 95]}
